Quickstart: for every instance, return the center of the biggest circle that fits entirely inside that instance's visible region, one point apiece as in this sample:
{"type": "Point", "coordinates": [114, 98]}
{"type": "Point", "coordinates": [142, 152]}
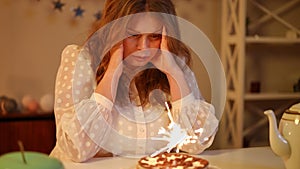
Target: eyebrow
{"type": "Point", "coordinates": [159, 31]}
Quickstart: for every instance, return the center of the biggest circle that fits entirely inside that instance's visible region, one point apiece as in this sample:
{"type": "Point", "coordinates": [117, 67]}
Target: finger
{"type": "Point", "coordinates": [164, 43]}
{"type": "Point", "coordinates": [117, 49]}
{"type": "Point", "coordinates": [120, 48]}
{"type": "Point", "coordinates": [116, 58]}
{"type": "Point", "coordinates": [117, 53]}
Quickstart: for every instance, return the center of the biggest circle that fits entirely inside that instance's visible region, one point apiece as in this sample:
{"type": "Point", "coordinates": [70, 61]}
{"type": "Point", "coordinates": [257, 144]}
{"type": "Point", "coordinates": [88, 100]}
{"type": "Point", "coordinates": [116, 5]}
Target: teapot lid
{"type": "Point", "coordinates": [292, 113]}
{"type": "Point", "coordinates": [295, 108]}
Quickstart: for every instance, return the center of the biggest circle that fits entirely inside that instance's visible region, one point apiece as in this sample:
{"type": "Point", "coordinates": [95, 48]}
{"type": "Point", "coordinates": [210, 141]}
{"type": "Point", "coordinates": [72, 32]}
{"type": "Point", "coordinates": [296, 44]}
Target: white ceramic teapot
{"type": "Point", "coordinates": [285, 141]}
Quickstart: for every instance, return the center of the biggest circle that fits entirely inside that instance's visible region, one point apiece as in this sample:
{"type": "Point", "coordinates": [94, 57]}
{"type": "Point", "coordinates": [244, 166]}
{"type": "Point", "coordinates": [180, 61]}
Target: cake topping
{"type": "Point", "coordinates": [172, 160]}
{"type": "Point", "coordinates": [151, 161]}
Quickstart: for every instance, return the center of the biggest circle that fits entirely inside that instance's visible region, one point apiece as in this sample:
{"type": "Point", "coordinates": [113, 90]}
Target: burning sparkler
{"type": "Point", "coordinates": [175, 135]}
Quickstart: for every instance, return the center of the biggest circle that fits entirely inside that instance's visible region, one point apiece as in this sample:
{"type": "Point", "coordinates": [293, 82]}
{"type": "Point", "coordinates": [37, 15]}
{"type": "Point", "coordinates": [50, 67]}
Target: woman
{"type": "Point", "coordinates": [118, 105]}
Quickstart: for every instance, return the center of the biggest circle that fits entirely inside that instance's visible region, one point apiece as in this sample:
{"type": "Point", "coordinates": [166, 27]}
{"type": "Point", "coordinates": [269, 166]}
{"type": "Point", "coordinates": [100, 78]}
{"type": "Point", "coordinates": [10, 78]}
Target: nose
{"type": "Point", "coordinates": [143, 42]}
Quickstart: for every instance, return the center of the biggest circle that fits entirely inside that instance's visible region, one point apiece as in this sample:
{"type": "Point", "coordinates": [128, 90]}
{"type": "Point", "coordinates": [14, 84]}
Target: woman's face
{"type": "Point", "coordinates": [144, 40]}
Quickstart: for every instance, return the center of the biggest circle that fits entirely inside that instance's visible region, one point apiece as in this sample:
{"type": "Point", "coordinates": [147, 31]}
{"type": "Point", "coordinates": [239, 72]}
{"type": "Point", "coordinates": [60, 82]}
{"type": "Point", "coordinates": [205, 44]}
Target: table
{"type": "Point", "coordinates": [245, 158]}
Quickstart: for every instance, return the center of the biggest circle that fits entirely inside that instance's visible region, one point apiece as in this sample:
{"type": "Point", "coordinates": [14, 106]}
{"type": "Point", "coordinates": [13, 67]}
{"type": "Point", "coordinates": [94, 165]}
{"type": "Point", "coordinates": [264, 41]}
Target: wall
{"type": "Point", "coordinates": [33, 35]}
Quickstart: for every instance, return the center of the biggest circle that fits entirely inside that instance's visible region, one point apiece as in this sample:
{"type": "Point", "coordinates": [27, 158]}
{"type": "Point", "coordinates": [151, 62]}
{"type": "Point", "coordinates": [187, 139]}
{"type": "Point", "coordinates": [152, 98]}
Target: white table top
{"type": "Point", "coordinates": [246, 158]}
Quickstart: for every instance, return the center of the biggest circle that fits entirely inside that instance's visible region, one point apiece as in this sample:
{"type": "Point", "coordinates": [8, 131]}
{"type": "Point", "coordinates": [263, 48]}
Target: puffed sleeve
{"type": "Point", "coordinates": [196, 115]}
{"type": "Point", "coordinates": [82, 116]}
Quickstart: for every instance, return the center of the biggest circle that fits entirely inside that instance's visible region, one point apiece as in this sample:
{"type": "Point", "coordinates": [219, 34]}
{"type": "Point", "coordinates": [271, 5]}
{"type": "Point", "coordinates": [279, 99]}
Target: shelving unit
{"type": "Point", "coordinates": [261, 43]}
{"type": "Point", "coordinates": [271, 40]}
{"type": "Point", "coordinates": [271, 96]}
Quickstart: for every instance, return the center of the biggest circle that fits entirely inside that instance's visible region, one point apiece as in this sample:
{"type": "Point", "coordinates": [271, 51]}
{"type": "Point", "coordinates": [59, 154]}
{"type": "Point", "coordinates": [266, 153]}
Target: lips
{"type": "Point", "coordinates": [140, 58]}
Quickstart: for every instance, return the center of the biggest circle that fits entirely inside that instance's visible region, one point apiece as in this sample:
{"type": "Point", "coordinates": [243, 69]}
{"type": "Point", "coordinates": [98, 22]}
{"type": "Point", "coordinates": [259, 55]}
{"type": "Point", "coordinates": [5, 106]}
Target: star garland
{"type": "Point", "coordinates": [78, 12]}
{"type": "Point", "coordinates": [98, 15]}
{"type": "Point", "coordinates": [58, 5]}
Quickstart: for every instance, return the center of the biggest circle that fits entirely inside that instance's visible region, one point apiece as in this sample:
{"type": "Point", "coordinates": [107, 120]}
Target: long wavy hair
{"type": "Point", "coordinates": [149, 79]}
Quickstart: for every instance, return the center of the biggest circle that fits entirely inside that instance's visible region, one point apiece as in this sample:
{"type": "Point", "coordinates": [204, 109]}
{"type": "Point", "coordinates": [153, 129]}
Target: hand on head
{"type": "Point", "coordinates": [116, 59]}
{"type": "Point", "coordinates": [164, 60]}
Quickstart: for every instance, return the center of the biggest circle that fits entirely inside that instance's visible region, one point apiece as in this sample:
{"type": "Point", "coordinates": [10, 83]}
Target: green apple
{"type": "Point", "coordinates": [34, 160]}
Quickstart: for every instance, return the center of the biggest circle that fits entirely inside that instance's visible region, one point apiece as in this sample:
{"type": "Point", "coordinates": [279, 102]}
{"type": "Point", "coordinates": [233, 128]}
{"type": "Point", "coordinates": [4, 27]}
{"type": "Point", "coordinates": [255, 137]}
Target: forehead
{"type": "Point", "coordinates": [145, 23]}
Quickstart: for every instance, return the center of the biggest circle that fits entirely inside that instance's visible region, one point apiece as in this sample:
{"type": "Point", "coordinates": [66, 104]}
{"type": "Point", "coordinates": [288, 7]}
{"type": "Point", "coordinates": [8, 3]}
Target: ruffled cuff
{"type": "Point", "coordinates": [105, 102]}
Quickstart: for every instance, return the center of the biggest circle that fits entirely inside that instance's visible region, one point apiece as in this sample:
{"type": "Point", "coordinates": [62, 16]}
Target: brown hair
{"type": "Point", "coordinates": [148, 79]}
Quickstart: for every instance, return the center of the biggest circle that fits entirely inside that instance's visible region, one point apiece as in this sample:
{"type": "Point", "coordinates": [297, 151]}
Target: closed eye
{"type": "Point", "coordinates": [155, 36]}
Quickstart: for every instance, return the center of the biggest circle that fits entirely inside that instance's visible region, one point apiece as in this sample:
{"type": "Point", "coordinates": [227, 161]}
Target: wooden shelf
{"type": "Point", "coordinates": [272, 96]}
{"type": "Point", "coordinates": [23, 116]}
{"type": "Point", "coordinates": [37, 131]}
{"type": "Point", "coordinates": [271, 40]}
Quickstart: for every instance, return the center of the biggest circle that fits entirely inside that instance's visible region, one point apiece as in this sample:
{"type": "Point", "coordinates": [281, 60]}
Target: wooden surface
{"type": "Point", "coordinates": [36, 131]}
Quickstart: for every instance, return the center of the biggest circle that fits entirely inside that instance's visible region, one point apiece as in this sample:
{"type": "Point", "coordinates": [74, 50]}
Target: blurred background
{"type": "Point", "coordinates": [33, 34]}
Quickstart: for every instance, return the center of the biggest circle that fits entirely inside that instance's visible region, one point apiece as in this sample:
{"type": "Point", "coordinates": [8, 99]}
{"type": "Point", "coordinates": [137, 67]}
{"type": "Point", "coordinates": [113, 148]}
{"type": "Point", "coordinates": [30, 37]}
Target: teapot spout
{"type": "Point", "coordinates": [278, 143]}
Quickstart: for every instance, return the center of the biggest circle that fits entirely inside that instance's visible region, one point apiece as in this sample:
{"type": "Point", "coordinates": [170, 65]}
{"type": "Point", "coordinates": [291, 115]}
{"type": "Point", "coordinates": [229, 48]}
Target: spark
{"type": "Point", "coordinates": [170, 116]}
{"type": "Point", "coordinates": [175, 135]}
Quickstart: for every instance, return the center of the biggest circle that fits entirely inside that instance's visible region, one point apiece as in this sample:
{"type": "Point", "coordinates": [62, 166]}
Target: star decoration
{"type": "Point", "coordinates": [98, 15]}
{"type": "Point", "coordinates": [78, 11]}
{"type": "Point", "coordinates": [58, 5]}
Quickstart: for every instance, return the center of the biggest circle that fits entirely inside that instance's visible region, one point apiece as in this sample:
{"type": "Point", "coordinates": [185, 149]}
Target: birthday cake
{"type": "Point", "coordinates": [172, 161]}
